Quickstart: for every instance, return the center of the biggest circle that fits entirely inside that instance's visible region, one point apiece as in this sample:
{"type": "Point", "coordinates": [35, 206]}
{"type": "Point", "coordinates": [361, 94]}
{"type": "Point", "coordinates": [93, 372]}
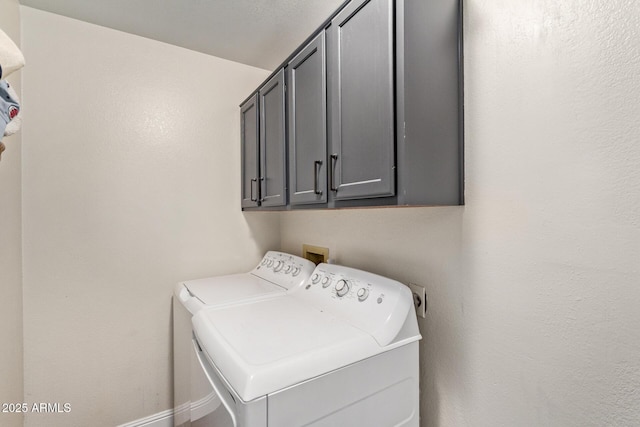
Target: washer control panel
{"type": "Point", "coordinates": [343, 284]}
{"type": "Point", "coordinates": [374, 303]}
{"type": "Point", "coordinates": [286, 270]}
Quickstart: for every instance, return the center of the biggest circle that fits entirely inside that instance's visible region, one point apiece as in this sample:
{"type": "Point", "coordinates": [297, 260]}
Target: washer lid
{"type": "Point", "coordinates": [265, 346]}
{"type": "Point", "coordinates": [232, 288]}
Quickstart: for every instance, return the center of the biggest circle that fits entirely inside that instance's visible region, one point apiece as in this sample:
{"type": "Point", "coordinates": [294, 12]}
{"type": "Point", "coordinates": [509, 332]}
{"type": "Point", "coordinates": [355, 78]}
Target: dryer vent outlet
{"type": "Point", "coordinates": [419, 299]}
{"type": "Point", "coordinates": [315, 254]}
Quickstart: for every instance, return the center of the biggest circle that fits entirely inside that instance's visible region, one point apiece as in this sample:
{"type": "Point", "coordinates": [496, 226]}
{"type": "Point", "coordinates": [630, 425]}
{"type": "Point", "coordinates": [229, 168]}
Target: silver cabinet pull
{"type": "Point", "coordinates": [251, 195]}
{"type": "Point", "coordinates": [262, 191]}
{"type": "Point", "coordinates": [332, 167]}
{"type": "Point", "coordinates": [316, 171]}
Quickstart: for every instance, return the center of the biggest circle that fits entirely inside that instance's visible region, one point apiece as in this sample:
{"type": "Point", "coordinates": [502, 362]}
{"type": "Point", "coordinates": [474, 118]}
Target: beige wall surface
{"type": "Point", "coordinates": [533, 286]}
{"type": "Point", "coordinates": [131, 183]}
{"type": "Point", "coordinates": [131, 172]}
{"type": "Point", "coordinates": [11, 246]}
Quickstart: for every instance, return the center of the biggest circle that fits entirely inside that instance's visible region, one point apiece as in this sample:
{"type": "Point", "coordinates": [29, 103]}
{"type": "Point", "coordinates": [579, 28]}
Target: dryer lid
{"type": "Point", "coordinates": [265, 346]}
{"type": "Point", "coordinates": [232, 288]}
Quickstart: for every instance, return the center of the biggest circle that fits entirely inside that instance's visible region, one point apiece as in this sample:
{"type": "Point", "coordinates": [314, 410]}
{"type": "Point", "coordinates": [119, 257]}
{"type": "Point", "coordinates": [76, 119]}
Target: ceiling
{"type": "Point", "coordinates": [261, 33]}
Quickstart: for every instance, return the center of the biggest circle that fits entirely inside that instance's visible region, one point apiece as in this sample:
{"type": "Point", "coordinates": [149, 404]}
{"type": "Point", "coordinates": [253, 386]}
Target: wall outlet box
{"type": "Point", "coordinates": [315, 254]}
{"type": "Point", "coordinates": [419, 299]}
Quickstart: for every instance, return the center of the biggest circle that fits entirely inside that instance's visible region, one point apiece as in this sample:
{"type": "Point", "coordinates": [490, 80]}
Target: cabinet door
{"type": "Point", "coordinates": [360, 54]}
{"type": "Point", "coordinates": [249, 146]}
{"type": "Point", "coordinates": [307, 97]}
{"type": "Point", "coordinates": [272, 142]}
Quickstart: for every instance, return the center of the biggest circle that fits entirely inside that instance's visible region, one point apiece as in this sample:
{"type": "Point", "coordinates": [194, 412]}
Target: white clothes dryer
{"type": "Point", "coordinates": [340, 351]}
{"type": "Point", "coordinates": [274, 275]}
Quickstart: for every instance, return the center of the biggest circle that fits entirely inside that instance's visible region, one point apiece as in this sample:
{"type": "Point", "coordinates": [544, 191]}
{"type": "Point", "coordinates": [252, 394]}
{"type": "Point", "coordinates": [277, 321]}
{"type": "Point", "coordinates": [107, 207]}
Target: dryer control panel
{"type": "Point", "coordinates": [373, 303]}
{"type": "Point", "coordinates": [286, 270]}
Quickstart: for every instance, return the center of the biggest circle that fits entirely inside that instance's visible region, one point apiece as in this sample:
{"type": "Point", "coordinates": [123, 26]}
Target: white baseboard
{"type": "Point", "coordinates": [161, 419]}
{"type": "Point", "coordinates": [195, 410]}
{"type": "Point", "coordinates": [205, 406]}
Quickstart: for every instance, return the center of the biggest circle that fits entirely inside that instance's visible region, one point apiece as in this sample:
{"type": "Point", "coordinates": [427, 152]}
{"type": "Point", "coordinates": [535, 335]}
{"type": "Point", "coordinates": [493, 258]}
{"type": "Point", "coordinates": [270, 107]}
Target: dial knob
{"type": "Point", "coordinates": [288, 269]}
{"type": "Point", "coordinates": [269, 262]}
{"type": "Point", "coordinates": [363, 294]}
{"type": "Point", "coordinates": [296, 271]}
{"type": "Point", "coordinates": [342, 288]}
{"type": "Point", "coordinates": [315, 278]}
{"type": "Point", "coordinates": [326, 282]}
{"type": "Point", "coordinates": [278, 266]}
{"type": "Point", "coordinates": [264, 261]}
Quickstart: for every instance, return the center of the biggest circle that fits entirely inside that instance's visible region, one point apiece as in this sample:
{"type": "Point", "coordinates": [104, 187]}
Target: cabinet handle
{"type": "Point", "coordinates": [316, 171]}
{"type": "Point", "coordinates": [260, 187]}
{"type": "Point", "coordinates": [332, 169]}
{"type": "Point", "coordinates": [251, 195]}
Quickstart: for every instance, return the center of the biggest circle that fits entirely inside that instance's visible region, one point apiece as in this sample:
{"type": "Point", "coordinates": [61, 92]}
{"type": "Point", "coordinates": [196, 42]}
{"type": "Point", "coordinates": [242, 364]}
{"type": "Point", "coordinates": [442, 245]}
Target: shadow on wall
{"type": "Point", "coordinates": [264, 230]}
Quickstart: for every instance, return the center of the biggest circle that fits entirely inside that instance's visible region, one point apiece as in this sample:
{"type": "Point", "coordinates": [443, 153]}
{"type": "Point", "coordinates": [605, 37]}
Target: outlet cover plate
{"type": "Point", "coordinates": [419, 299]}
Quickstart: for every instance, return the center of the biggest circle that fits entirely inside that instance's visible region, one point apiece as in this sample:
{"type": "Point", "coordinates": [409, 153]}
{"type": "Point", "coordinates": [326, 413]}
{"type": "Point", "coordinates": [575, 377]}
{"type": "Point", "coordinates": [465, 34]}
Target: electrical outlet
{"type": "Point", "coordinates": [419, 299]}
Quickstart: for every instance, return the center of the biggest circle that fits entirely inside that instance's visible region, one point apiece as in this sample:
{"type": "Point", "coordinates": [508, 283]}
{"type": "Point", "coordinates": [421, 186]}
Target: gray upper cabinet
{"type": "Point", "coordinates": [306, 93]}
{"type": "Point", "coordinates": [249, 136]}
{"type": "Point", "coordinates": [429, 102]}
{"type": "Point", "coordinates": [360, 44]}
{"type": "Point", "coordinates": [372, 113]}
{"type": "Point", "coordinates": [273, 172]}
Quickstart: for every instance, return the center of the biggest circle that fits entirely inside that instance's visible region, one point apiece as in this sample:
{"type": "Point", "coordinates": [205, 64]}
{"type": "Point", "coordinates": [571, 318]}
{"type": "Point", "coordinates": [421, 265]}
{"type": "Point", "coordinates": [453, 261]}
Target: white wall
{"type": "Point", "coordinates": [11, 245]}
{"type": "Point", "coordinates": [131, 183]}
{"type": "Point", "coordinates": [534, 285]}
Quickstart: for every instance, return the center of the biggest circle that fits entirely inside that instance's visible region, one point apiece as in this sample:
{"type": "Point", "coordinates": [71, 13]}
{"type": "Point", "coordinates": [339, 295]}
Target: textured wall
{"type": "Point", "coordinates": [11, 245]}
{"type": "Point", "coordinates": [533, 286]}
{"type": "Point", "coordinates": [131, 183]}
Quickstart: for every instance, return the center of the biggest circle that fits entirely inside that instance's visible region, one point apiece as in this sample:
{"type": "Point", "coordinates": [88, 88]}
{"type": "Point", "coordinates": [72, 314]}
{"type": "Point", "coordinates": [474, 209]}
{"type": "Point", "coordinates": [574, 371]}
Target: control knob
{"type": "Point", "coordinates": [342, 288]}
{"type": "Point", "coordinates": [278, 266]}
{"type": "Point", "coordinates": [363, 294]}
{"type": "Point", "coordinates": [326, 282]}
{"type": "Point", "coordinates": [315, 278]}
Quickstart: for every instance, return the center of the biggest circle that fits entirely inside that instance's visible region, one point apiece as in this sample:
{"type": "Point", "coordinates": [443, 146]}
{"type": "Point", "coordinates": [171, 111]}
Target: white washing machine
{"type": "Point", "coordinates": [194, 398]}
{"type": "Point", "coordinates": [340, 351]}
